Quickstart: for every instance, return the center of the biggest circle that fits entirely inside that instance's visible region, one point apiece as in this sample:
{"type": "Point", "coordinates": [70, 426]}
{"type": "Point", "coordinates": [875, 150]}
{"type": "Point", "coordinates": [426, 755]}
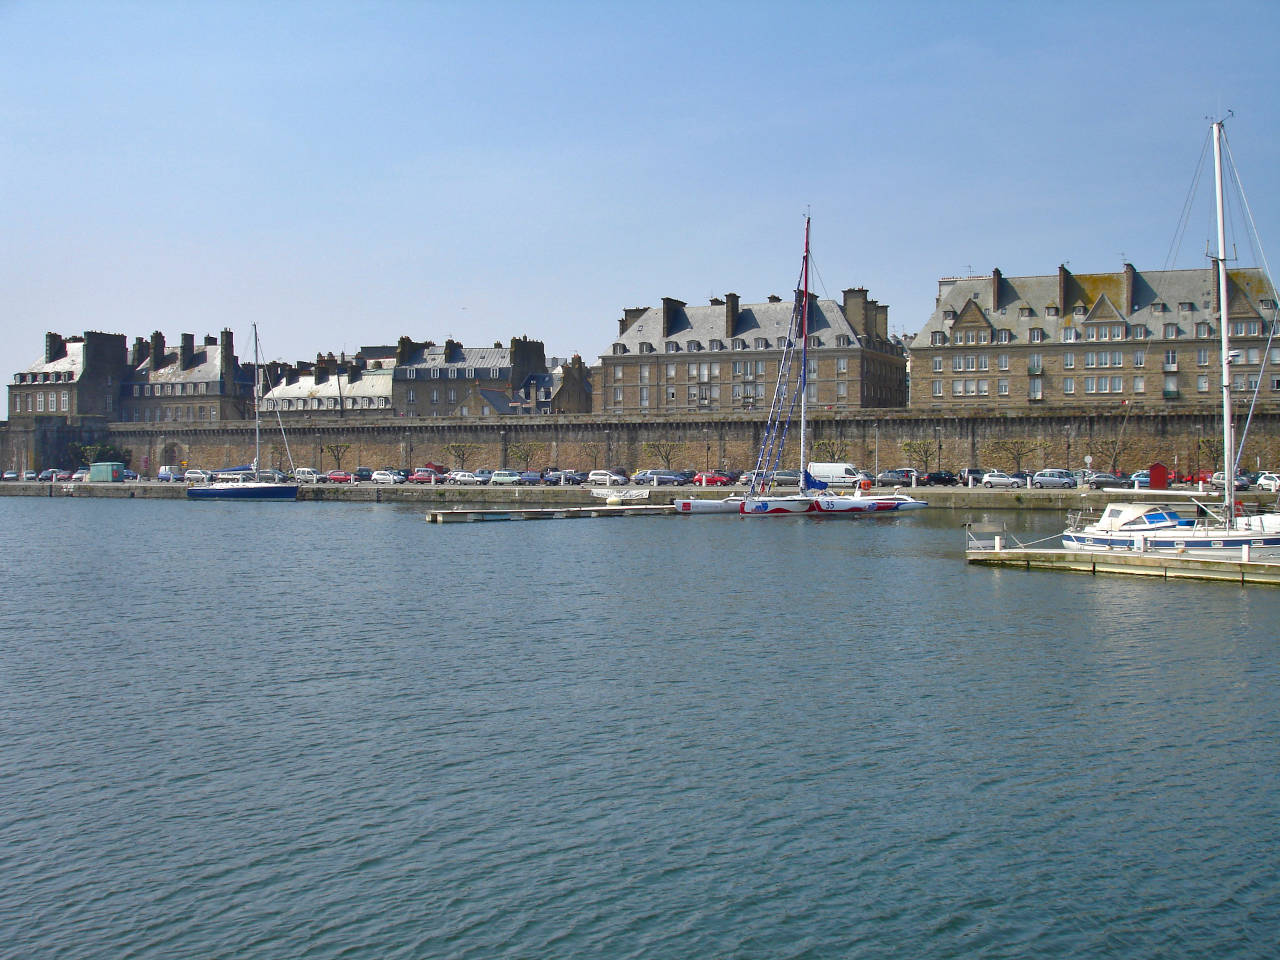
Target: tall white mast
{"type": "Point", "coordinates": [257, 394]}
{"type": "Point", "coordinates": [804, 356]}
{"type": "Point", "coordinates": [1228, 442]}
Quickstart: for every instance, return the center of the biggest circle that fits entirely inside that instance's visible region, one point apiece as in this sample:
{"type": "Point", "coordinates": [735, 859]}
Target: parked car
{"type": "Point", "coordinates": [1103, 481]}
{"type": "Point", "coordinates": [386, 476]}
{"type": "Point", "coordinates": [1141, 478]}
{"type": "Point", "coordinates": [48, 475]}
{"type": "Point", "coordinates": [425, 475]}
{"type": "Point", "coordinates": [658, 478]}
{"type": "Point", "coordinates": [1054, 478]}
{"type": "Point", "coordinates": [28, 475]}
{"type": "Point", "coordinates": [997, 478]}
{"type": "Point", "coordinates": [972, 473]}
{"type": "Point", "coordinates": [939, 478]}
{"type": "Point", "coordinates": [786, 478]}
{"type": "Point", "coordinates": [1268, 481]}
{"type": "Point", "coordinates": [10, 475]}
{"type": "Point", "coordinates": [80, 475]}
{"type": "Point", "coordinates": [128, 474]}
{"type": "Point", "coordinates": [529, 478]}
{"type": "Point", "coordinates": [308, 475]}
{"type": "Point", "coordinates": [168, 473]}
{"type": "Point", "coordinates": [564, 478]}
{"type": "Point", "coordinates": [504, 478]}
{"type": "Point", "coordinates": [756, 476]}
{"type": "Point", "coordinates": [607, 478]}
{"type": "Point", "coordinates": [361, 474]}
{"type": "Point", "coordinates": [893, 478]}
{"type": "Point", "coordinates": [483, 476]}
{"type": "Point", "coordinates": [464, 478]}
{"type": "Point", "coordinates": [1219, 482]}
{"type": "Point", "coordinates": [711, 478]}
{"type": "Point", "coordinates": [338, 476]}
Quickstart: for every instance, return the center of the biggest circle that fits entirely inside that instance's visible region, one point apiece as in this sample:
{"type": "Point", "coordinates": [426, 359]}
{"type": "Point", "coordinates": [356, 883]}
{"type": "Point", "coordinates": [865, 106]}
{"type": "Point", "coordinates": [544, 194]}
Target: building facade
{"type": "Point", "coordinates": [193, 384]}
{"type": "Point", "coordinates": [723, 358]}
{"type": "Point", "coordinates": [1149, 339]}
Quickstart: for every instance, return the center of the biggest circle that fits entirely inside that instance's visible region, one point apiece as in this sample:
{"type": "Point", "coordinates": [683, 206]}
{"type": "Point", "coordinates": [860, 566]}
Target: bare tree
{"type": "Point", "coordinates": [460, 452]}
{"type": "Point", "coordinates": [1012, 448]}
{"type": "Point", "coordinates": [664, 450]}
{"type": "Point", "coordinates": [591, 449]}
{"type": "Point", "coordinates": [921, 450]}
{"type": "Point", "coordinates": [337, 451]}
{"type": "Point", "coordinates": [831, 450]}
{"type": "Point", "coordinates": [524, 451]}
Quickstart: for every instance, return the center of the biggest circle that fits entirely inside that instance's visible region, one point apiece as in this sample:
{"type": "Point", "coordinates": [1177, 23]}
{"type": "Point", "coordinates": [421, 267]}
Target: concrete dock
{"type": "Point", "coordinates": [1186, 566]}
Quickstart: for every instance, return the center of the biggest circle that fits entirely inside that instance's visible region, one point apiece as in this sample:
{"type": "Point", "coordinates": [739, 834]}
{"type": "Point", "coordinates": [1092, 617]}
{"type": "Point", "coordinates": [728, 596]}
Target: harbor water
{"type": "Point", "coordinates": [335, 730]}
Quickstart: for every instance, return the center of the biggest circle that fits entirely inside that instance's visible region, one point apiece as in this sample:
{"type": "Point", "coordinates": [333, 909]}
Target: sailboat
{"type": "Point", "coordinates": [1197, 524]}
{"type": "Point", "coordinates": [811, 496]}
{"type": "Point", "coordinates": [244, 483]}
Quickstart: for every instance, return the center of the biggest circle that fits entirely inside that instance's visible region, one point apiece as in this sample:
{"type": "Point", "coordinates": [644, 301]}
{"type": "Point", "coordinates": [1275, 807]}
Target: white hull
{"type": "Point", "coordinates": [1172, 528]}
{"type": "Point", "coordinates": [695, 505]}
{"type": "Point", "coordinates": [823, 503]}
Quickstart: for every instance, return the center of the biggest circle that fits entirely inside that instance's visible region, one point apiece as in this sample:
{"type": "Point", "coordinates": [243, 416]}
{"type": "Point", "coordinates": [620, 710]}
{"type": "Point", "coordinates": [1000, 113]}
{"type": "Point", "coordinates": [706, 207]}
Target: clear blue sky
{"type": "Point", "coordinates": [345, 173]}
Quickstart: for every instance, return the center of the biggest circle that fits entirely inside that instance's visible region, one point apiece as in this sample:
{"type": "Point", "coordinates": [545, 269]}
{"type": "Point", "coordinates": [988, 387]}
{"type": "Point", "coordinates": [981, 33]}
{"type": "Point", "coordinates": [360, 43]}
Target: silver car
{"type": "Point", "coordinates": [997, 478]}
{"type": "Point", "coordinates": [1053, 478]}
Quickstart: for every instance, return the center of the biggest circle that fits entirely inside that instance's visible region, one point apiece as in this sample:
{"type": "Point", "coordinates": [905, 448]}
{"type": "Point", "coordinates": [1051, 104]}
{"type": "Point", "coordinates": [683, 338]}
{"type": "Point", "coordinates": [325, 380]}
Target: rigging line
{"type": "Point", "coordinates": [1255, 241]}
{"type": "Point", "coordinates": [1175, 244]}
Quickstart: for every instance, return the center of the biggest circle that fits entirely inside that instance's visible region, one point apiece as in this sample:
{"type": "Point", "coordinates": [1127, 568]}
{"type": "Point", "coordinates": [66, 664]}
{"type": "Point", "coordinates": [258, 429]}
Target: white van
{"type": "Point", "coordinates": [306, 475]}
{"type": "Point", "coordinates": [836, 474]}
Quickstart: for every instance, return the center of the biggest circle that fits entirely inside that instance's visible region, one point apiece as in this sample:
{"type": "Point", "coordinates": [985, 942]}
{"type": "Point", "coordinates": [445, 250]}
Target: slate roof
{"type": "Point", "coordinates": [1102, 295]}
{"type": "Point", "coordinates": [371, 383]}
{"type": "Point", "coordinates": [206, 366]}
{"type": "Point", "coordinates": [72, 362]}
{"type": "Point", "coordinates": [434, 356]}
{"type": "Point", "coordinates": [702, 324]}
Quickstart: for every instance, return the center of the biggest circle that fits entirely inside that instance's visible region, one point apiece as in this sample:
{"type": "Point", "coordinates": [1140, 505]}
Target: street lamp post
{"type": "Point", "coordinates": [877, 448]}
{"type": "Point", "coordinates": [937, 435]}
{"type": "Point", "coordinates": [706, 435]}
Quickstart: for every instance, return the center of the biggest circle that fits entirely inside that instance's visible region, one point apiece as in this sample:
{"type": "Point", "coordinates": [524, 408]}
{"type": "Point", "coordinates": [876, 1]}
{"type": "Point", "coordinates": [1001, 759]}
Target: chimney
{"type": "Point", "coordinates": [996, 277]}
{"type": "Point", "coordinates": [855, 310]}
{"type": "Point", "coordinates": [1063, 279]}
{"type": "Point", "coordinates": [186, 351]}
{"type": "Point", "coordinates": [157, 350]}
{"type": "Point", "coordinates": [321, 370]}
{"type": "Point", "coordinates": [630, 316]}
{"type": "Point", "coordinates": [1130, 281]}
{"type": "Point", "coordinates": [669, 308]}
{"type": "Point", "coordinates": [141, 350]}
{"type": "Point", "coordinates": [226, 352]}
{"type": "Point", "coordinates": [404, 347]}
{"type": "Point", "coordinates": [730, 315]}
{"type": "Point", "coordinates": [55, 348]}
{"type": "Point", "coordinates": [882, 320]}
{"type": "Point", "coordinates": [774, 298]}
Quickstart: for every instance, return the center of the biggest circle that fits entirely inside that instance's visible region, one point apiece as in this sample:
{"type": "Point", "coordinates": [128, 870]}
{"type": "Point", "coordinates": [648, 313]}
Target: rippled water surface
{"type": "Point", "coordinates": [335, 730]}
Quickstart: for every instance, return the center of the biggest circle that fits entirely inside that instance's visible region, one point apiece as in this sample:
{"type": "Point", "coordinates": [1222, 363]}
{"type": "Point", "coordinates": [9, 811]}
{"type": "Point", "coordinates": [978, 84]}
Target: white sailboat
{"type": "Point", "coordinates": [245, 484]}
{"type": "Point", "coordinates": [1198, 523]}
{"type": "Point", "coordinates": [812, 496]}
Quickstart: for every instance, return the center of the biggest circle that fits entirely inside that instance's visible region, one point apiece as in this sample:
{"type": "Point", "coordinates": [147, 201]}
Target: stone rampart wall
{"type": "Point", "coordinates": [897, 438]}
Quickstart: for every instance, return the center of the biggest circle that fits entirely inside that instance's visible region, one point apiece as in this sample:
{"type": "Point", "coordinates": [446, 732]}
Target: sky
{"type": "Point", "coordinates": [343, 174]}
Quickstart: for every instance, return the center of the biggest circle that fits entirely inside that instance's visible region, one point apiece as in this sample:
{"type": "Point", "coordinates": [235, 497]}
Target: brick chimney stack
{"type": "Point", "coordinates": [186, 351]}
{"type": "Point", "coordinates": [730, 315]}
{"type": "Point", "coordinates": [157, 350]}
{"type": "Point", "coordinates": [141, 350]}
{"type": "Point", "coordinates": [55, 348]}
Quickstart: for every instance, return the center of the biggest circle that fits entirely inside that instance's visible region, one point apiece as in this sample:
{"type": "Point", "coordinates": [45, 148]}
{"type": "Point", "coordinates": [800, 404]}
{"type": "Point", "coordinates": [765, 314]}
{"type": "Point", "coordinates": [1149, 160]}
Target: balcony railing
{"type": "Point", "coordinates": [1034, 369]}
{"type": "Point", "coordinates": [1170, 367]}
{"type": "Point", "coordinates": [1172, 394]}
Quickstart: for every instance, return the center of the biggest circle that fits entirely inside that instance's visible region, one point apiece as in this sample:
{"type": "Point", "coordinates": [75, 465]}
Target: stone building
{"type": "Point", "coordinates": [193, 383]}
{"type": "Point", "coordinates": [723, 358]}
{"type": "Point", "coordinates": [68, 396]}
{"type": "Point", "coordinates": [1147, 339]}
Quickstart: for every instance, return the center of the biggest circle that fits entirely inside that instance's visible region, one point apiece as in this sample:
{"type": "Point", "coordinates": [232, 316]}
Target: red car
{"type": "Point", "coordinates": [338, 476]}
{"type": "Point", "coordinates": [425, 476]}
{"type": "Point", "coordinates": [710, 479]}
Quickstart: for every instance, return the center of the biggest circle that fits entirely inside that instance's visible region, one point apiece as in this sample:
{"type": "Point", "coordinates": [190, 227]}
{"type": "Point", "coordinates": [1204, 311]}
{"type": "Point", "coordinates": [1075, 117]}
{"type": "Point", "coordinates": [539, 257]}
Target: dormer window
{"type": "Point", "coordinates": [948, 314]}
{"type": "Point", "coordinates": [717, 344]}
{"type": "Point", "coordinates": [646, 347]}
{"type": "Point", "coordinates": [761, 343]}
{"type": "Point", "coordinates": [1051, 311]}
{"type": "Point", "coordinates": [672, 346]}
{"type": "Point", "coordinates": [1171, 331]}
{"type": "Point", "coordinates": [693, 346]}
{"type": "Point", "coordinates": [1157, 306]}
{"type": "Point", "coordinates": [1186, 306]}
{"type": "Point", "coordinates": [842, 340]}
{"type": "Point", "coordinates": [1037, 335]}
{"type": "Point", "coordinates": [937, 339]}
{"type": "Point", "coordinates": [1267, 304]}
{"type": "Point", "coordinates": [739, 343]}
{"type": "Point", "coordinates": [1024, 312]}
{"type": "Point", "coordinates": [1080, 311]}
{"type": "Point", "coordinates": [815, 340]}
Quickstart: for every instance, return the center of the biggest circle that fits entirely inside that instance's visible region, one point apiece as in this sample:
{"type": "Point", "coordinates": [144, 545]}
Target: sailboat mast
{"type": "Point", "coordinates": [804, 355]}
{"type": "Point", "coordinates": [257, 394]}
{"type": "Point", "coordinates": [1228, 441]}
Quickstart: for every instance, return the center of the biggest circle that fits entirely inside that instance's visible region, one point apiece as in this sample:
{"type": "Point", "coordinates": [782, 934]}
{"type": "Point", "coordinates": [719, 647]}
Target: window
{"type": "Point", "coordinates": [1139, 384]}
{"type": "Point", "coordinates": [412, 397]}
{"type": "Point", "coordinates": [937, 388]}
{"type": "Point", "coordinates": [617, 372]}
{"type": "Point", "coordinates": [1203, 330]}
{"type": "Point", "coordinates": [1068, 361]}
{"type": "Point", "coordinates": [1186, 306]}
{"type": "Point", "coordinates": [644, 373]}
{"type": "Point", "coordinates": [1090, 384]}
{"type": "Point", "coordinates": [1051, 311]}
{"type": "Point", "coordinates": [1139, 358]}
{"type": "Point", "coordinates": [1070, 334]}
{"type": "Point", "coordinates": [644, 398]}
{"type": "Point", "coordinates": [1035, 389]}
{"type": "Point", "coordinates": [842, 364]}
{"type": "Point", "coordinates": [937, 339]}
{"type": "Point", "coordinates": [947, 315]}
{"type": "Point", "coordinates": [66, 401]}
{"type": "Point", "coordinates": [1171, 359]}
{"type": "Point", "coordinates": [1202, 383]}
{"type": "Point", "coordinates": [1171, 331]}
{"type": "Point", "coordinates": [1117, 358]}
{"type": "Point", "coordinates": [970, 362]}
{"type": "Point", "coordinates": [937, 364]}
{"type": "Point", "coordinates": [842, 388]}
{"type": "Point", "coordinates": [671, 346]}
{"type": "Point", "coordinates": [1034, 364]}
{"type": "Point", "coordinates": [1117, 331]}
{"type": "Point", "coordinates": [1068, 385]}
{"type": "Point", "coordinates": [982, 361]}
{"type": "Point", "coordinates": [1202, 357]}
{"type": "Point", "coordinates": [1002, 361]}
{"type": "Point", "coordinates": [1079, 311]}
{"type": "Point", "coordinates": [971, 336]}
{"type": "Point", "coordinates": [693, 346]}
{"type": "Point", "coordinates": [1140, 331]}
{"type": "Point", "coordinates": [1002, 387]}
{"type": "Point", "coordinates": [1024, 311]}
{"type": "Point", "coordinates": [1117, 384]}
{"type": "Point", "coordinates": [435, 372]}
{"type": "Point", "coordinates": [617, 396]}
{"type": "Point", "coordinates": [957, 363]}
{"type": "Point", "coordinates": [671, 371]}
{"type": "Point", "coordinates": [452, 395]}
{"type": "Point", "coordinates": [39, 403]}
{"type": "Point", "coordinates": [717, 344]}
{"type": "Point", "coordinates": [982, 388]}
{"type": "Point", "coordinates": [984, 336]}
{"type": "Point", "coordinates": [761, 343]}
{"type": "Point", "coordinates": [453, 373]}
{"type": "Point", "coordinates": [1002, 336]}
{"type": "Point", "coordinates": [957, 388]}
{"type": "Point", "coordinates": [1037, 335]}
{"type": "Point", "coordinates": [435, 396]}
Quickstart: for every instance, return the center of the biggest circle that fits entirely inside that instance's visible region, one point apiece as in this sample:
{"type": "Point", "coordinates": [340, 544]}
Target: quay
{"type": "Point", "coordinates": [463, 515]}
{"type": "Point", "coordinates": [986, 550]}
